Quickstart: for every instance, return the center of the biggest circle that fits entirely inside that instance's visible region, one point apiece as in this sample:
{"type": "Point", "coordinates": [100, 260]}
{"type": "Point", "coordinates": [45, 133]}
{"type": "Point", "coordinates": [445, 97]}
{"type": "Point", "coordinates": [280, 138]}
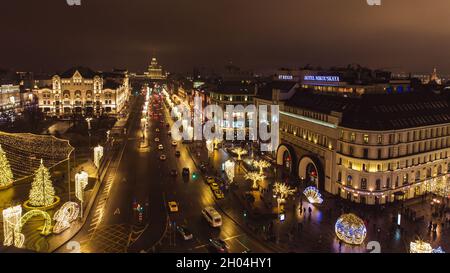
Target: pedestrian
{"type": "Point", "coordinates": [309, 210]}
{"type": "Point", "coordinates": [304, 210]}
{"type": "Point", "coordinates": [340, 245]}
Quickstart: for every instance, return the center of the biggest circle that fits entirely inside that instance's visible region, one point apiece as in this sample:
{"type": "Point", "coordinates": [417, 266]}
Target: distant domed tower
{"type": "Point", "coordinates": [155, 71]}
{"type": "Point", "coordinates": [434, 77]}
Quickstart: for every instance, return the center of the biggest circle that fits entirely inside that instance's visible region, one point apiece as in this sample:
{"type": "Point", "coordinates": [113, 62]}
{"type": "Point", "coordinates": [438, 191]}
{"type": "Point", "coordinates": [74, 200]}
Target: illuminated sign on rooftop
{"type": "Point", "coordinates": [322, 78]}
{"type": "Point", "coordinates": [285, 77]}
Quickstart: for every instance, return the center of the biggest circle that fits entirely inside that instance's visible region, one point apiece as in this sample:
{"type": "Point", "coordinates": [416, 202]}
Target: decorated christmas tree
{"type": "Point", "coordinates": [6, 175]}
{"type": "Point", "coordinates": [42, 192]}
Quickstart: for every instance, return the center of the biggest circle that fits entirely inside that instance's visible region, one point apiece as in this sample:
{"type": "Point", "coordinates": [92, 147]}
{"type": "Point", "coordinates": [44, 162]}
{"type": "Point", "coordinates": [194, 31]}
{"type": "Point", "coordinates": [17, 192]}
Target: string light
{"type": "Point", "coordinates": [240, 152]}
{"type": "Point", "coordinates": [229, 170]}
{"type": "Point", "coordinates": [11, 223]}
{"type": "Point", "coordinates": [350, 229]}
{"type": "Point", "coordinates": [6, 175]}
{"type": "Point", "coordinates": [24, 151]}
{"type": "Point", "coordinates": [313, 195]}
{"type": "Point", "coordinates": [98, 155]}
{"type": "Point", "coordinates": [420, 246]}
{"type": "Point", "coordinates": [42, 193]}
{"type": "Point", "coordinates": [261, 164]}
{"type": "Point", "coordinates": [254, 177]}
{"type": "Point", "coordinates": [283, 190]}
{"type": "Point", "coordinates": [65, 216]}
{"type": "Point", "coordinates": [46, 230]}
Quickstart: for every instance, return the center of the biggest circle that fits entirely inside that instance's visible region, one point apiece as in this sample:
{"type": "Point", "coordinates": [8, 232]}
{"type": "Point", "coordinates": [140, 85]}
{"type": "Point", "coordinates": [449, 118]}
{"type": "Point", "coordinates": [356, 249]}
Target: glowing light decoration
{"type": "Point", "coordinates": [42, 193]}
{"type": "Point", "coordinates": [240, 152]}
{"type": "Point", "coordinates": [420, 246]}
{"type": "Point", "coordinates": [81, 181]}
{"type": "Point", "coordinates": [46, 229]}
{"type": "Point", "coordinates": [261, 164]}
{"type": "Point", "coordinates": [283, 191]}
{"type": "Point", "coordinates": [440, 186]}
{"type": "Point", "coordinates": [65, 216]}
{"type": "Point", "coordinates": [438, 250]}
{"type": "Point", "coordinates": [350, 229]}
{"type": "Point", "coordinates": [313, 195]}
{"type": "Point", "coordinates": [11, 225]}
{"type": "Point", "coordinates": [210, 146]}
{"type": "Point", "coordinates": [6, 175]}
{"type": "Point", "coordinates": [254, 177]}
{"type": "Point", "coordinates": [98, 155]}
{"type": "Point", "coordinates": [229, 170]}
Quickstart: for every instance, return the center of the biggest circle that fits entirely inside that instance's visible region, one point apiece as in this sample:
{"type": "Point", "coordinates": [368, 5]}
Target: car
{"type": "Point", "coordinates": [218, 194]}
{"type": "Point", "coordinates": [218, 245]}
{"type": "Point", "coordinates": [173, 172]}
{"type": "Point", "coordinates": [156, 139]}
{"type": "Point", "coordinates": [186, 172]}
{"type": "Point", "coordinates": [203, 168]}
{"type": "Point", "coordinates": [173, 206]}
{"type": "Point", "coordinates": [167, 125]}
{"type": "Point", "coordinates": [169, 133]}
{"type": "Point", "coordinates": [157, 130]}
{"type": "Point", "coordinates": [174, 143]}
{"type": "Point", "coordinates": [163, 157]}
{"type": "Point", "coordinates": [185, 233]}
{"type": "Point", "coordinates": [210, 180]}
{"type": "Point", "coordinates": [160, 147]}
{"type": "Point", "coordinates": [214, 186]}
{"type": "Point", "coordinates": [177, 153]}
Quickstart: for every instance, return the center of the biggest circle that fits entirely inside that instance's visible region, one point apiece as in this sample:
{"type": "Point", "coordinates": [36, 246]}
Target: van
{"type": "Point", "coordinates": [212, 216]}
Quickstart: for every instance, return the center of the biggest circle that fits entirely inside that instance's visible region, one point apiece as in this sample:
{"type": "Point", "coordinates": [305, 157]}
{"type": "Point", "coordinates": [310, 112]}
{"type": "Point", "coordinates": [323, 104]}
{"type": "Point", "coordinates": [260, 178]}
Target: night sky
{"type": "Point", "coordinates": [49, 35]}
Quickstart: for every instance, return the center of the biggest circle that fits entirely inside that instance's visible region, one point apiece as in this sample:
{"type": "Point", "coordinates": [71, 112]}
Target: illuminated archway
{"type": "Point", "coordinates": [46, 230]}
{"type": "Point", "coordinates": [311, 170]}
{"type": "Point", "coordinates": [286, 157]}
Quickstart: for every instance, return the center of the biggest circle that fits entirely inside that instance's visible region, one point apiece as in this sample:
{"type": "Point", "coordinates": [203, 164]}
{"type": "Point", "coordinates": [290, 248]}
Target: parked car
{"type": "Point", "coordinates": [173, 206]}
{"type": "Point", "coordinates": [163, 157]}
{"type": "Point", "coordinates": [177, 154]}
{"type": "Point", "coordinates": [156, 139]}
{"type": "Point", "coordinates": [174, 143]}
{"type": "Point", "coordinates": [173, 172]}
{"type": "Point", "coordinates": [218, 194]}
{"type": "Point", "coordinates": [214, 186]}
{"type": "Point", "coordinates": [210, 180]}
{"type": "Point", "coordinates": [185, 233]}
{"type": "Point", "coordinates": [218, 245]}
{"type": "Point", "coordinates": [186, 172]}
{"type": "Point", "coordinates": [160, 147]}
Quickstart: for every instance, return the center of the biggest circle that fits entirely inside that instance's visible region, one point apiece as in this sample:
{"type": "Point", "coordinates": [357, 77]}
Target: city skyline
{"type": "Point", "coordinates": [254, 35]}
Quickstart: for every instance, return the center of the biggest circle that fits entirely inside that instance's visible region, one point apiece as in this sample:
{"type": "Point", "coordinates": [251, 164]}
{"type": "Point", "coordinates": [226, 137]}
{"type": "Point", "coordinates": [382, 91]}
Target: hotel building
{"type": "Point", "coordinates": [370, 143]}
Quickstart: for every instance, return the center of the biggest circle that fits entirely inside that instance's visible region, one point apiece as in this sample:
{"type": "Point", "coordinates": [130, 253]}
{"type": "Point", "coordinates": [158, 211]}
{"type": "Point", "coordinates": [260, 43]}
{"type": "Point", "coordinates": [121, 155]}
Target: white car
{"type": "Point", "coordinates": [156, 139]}
{"type": "Point", "coordinates": [174, 143]}
{"type": "Point", "coordinates": [160, 147]}
{"type": "Point", "coordinates": [163, 157]}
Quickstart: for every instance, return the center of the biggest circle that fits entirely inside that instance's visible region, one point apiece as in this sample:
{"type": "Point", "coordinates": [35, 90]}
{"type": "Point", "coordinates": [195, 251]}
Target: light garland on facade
{"type": "Point", "coordinates": [313, 195]}
{"type": "Point", "coordinates": [65, 216]}
{"type": "Point", "coordinates": [350, 229]}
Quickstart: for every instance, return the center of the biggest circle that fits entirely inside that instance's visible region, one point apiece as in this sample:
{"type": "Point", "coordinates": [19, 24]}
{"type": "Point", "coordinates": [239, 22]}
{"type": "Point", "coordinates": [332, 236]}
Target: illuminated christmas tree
{"type": "Point", "coordinates": [42, 193]}
{"type": "Point", "coordinates": [6, 175]}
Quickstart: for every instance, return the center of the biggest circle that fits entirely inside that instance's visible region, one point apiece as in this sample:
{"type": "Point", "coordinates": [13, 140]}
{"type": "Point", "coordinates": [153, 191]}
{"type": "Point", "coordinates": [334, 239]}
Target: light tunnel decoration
{"type": "Point", "coordinates": [19, 239]}
{"type": "Point", "coordinates": [313, 195]}
{"type": "Point", "coordinates": [25, 151]}
{"type": "Point", "coordinates": [350, 229]}
{"type": "Point", "coordinates": [65, 216]}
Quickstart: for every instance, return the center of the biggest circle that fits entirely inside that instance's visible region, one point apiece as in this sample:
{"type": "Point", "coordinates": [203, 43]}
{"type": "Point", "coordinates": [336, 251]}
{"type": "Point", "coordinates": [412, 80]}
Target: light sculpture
{"type": "Point", "coordinates": [313, 195]}
{"type": "Point", "coordinates": [261, 164]}
{"type": "Point", "coordinates": [98, 155]}
{"type": "Point", "coordinates": [11, 224]}
{"type": "Point", "coordinates": [254, 177]}
{"type": "Point", "coordinates": [229, 170]}
{"type": "Point", "coordinates": [6, 175]}
{"type": "Point", "coordinates": [240, 152]}
{"type": "Point", "coordinates": [420, 247]}
{"type": "Point", "coordinates": [81, 181]}
{"type": "Point", "coordinates": [64, 216]}
{"type": "Point", "coordinates": [42, 193]}
{"type": "Point", "coordinates": [350, 229]}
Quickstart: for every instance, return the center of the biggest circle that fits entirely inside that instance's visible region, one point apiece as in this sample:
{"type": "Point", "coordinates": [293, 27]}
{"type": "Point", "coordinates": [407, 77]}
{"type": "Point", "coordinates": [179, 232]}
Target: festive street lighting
{"type": "Point", "coordinates": [81, 181]}
{"type": "Point", "coordinates": [420, 246]}
{"type": "Point", "coordinates": [254, 177]}
{"type": "Point", "coordinates": [261, 164]}
{"type": "Point", "coordinates": [6, 175]}
{"type": "Point", "coordinates": [65, 216]}
{"type": "Point", "coordinates": [313, 195]}
{"type": "Point", "coordinates": [350, 229]}
{"type": "Point", "coordinates": [229, 170]}
{"type": "Point", "coordinates": [282, 191]}
{"type": "Point", "coordinates": [11, 224]}
{"type": "Point", "coordinates": [42, 193]}
{"type": "Point", "coordinates": [98, 154]}
{"type": "Point", "coordinates": [240, 152]}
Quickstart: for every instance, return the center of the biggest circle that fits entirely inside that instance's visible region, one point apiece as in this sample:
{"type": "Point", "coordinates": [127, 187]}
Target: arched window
{"type": "Point", "coordinates": [428, 172]}
{"type": "Point", "coordinates": [363, 183]}
{"type": "Point", "coordinates": [388, 183]}
{"type": "Point", "coordinates": [405, 179]}
{"type": "Point", "coordinates": [439, 169]}
{"type": "Point", "coordinates": [417, 175]}
{"type": "Point", "coordinates": [378, 184]}
{"type": "Point", "coordinates": [339, 178]}
{"type": "Point", "coordinates": [350, 180]}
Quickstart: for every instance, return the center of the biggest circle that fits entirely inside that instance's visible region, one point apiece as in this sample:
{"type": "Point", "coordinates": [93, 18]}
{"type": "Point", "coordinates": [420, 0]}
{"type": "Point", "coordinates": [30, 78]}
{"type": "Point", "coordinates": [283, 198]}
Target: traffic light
{"type": "Point", "coordinates": [194, 176]}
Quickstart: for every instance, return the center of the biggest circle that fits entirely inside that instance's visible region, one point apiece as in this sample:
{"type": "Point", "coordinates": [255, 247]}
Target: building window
{"type": "Point", "coordinates": [350, 180]}
{"type": "Point", "coordinates": [363, 183]}
{"type": "Point", "coordinates": [405, 179]}
{"type": "Point", "coordinates": [379, 139]}
{"type": "Point", "coordinates": [352, 137]}
{"type": "Point", "coordinates": [339, 178]}
{"type": "Point", "coordinates": [350, 150]}
{"type": "Point", "coordinates": [366, 153]}
{"type": "Point", "coordinates": [388, 183]}
{"type": "Point", "coordinates": [366, 139]}
{"type": "Point", "coordinates": [417, 175]}
{"type": "Point", "coordinates": [379, 154]}
{"type": "Point", "coordinates": [378, 184]}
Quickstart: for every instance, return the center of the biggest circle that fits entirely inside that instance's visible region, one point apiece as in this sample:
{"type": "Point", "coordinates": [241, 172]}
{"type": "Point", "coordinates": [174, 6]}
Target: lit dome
{"type": "Point", "coordinates": [350, 229]}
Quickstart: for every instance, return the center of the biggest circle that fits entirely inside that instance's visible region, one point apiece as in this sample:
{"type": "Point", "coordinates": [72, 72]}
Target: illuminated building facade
{"type": "Point", "coordinates": [83, 91]}
{"type": "Point", "coordinates": [155, 71]}
{"type": "Point", "coordinates": [371, 148]}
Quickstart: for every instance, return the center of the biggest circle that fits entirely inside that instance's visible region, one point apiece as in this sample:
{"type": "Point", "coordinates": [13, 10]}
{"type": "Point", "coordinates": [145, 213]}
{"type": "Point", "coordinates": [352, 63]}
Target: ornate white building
{"type": "Point", "coordinates": [81, 90]}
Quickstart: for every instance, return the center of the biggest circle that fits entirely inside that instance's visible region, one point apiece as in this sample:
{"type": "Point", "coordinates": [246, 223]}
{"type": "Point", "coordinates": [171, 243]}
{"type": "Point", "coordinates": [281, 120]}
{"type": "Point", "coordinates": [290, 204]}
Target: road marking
{"type": "Point", "coordinates": [117, 211]}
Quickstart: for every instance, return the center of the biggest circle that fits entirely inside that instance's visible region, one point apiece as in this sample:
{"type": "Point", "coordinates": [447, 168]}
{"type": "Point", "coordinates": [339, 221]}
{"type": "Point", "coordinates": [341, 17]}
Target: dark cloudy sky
{"type": "Point", "coordinates": [401, 35]}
